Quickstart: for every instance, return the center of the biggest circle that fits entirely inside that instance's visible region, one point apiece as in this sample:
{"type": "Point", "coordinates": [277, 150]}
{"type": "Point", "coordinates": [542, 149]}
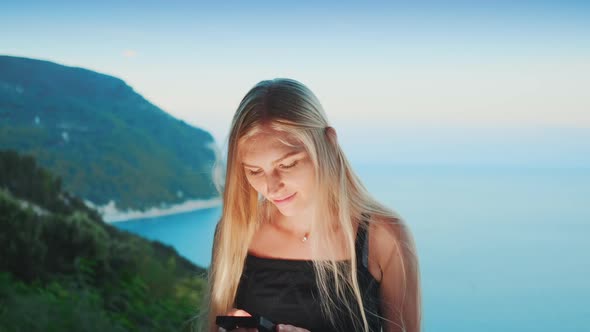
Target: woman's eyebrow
{"type": "Point", "coordinates": [289, 154]}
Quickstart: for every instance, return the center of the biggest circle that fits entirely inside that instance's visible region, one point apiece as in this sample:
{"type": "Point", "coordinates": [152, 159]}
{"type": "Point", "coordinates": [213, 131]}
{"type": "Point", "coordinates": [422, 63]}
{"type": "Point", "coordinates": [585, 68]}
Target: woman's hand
{"type": "Point", "coordinates": [243, 313]}
{"type": "Point", "coordinates": [239, 313]}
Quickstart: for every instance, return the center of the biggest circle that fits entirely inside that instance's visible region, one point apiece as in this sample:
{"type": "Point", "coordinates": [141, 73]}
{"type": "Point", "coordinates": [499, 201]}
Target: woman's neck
{"type": "Point", "coordinates": [296, 225]}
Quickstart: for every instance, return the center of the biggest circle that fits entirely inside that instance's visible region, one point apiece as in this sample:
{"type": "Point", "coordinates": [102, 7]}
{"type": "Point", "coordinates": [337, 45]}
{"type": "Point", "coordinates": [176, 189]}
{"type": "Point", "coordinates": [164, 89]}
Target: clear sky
{"type": "Point", "coordinates": [489, 82]}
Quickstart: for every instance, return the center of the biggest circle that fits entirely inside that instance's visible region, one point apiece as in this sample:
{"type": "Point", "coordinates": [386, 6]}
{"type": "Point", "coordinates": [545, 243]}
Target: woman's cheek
{"type": "Point", "coordinates": [258, 185]}
{"type": "Point", "coordinates": [303, 175]}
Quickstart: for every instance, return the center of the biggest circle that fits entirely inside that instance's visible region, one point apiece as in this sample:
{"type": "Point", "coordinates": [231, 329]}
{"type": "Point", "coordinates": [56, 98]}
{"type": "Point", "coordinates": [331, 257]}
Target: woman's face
{"type": "Point", "coordinates": [282, 174]}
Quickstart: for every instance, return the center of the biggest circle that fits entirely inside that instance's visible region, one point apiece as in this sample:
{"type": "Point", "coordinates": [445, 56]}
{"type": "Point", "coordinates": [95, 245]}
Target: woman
{"type": "Point", "coordinates": [300, 241]}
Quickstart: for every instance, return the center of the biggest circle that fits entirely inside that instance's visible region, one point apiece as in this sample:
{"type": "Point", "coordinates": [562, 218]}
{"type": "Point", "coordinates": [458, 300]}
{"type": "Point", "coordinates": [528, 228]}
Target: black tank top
{"type": "Point", "coordinates": [285, 291]}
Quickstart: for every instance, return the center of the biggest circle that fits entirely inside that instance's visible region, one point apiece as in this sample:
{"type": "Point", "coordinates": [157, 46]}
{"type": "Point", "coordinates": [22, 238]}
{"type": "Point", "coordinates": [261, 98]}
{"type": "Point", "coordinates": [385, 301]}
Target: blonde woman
{"type": "Point", "coordinates": [300, 241]}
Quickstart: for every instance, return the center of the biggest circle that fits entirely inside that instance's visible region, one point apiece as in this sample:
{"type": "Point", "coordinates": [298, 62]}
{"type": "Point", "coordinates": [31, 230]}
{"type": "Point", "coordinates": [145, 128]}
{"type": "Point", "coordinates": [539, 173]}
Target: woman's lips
{"type": "Point", "coordinates": [284, 200]}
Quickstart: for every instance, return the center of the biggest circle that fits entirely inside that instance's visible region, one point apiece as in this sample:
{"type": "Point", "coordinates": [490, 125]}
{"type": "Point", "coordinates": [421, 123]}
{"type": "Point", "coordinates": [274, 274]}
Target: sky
{"type": "Point", "coordinates": [453, 82]}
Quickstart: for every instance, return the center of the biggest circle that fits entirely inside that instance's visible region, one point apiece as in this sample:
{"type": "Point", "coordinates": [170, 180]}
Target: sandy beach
{"type": "Point", "coordinates": [111, 214]}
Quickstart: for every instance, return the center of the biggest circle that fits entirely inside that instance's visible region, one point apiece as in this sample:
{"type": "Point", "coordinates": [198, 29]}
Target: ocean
{"type": "Point", "coordinates": [500, 249]}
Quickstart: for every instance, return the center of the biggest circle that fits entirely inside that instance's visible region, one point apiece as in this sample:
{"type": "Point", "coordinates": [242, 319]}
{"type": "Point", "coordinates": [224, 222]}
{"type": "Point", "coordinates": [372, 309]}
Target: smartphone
{"type": "Point", "coordinates": [255, 321]}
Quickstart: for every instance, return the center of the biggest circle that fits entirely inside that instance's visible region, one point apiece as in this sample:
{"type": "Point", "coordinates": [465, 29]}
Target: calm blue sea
{"type": "Point", "coordinates": [501, 249]}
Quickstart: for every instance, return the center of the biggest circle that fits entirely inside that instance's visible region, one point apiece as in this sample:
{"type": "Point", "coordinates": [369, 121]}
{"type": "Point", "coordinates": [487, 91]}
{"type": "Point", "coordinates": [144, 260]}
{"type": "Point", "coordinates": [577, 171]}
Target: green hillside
{"type": "Point", "coordinates": [102, 138]}
{"type": "Point", "coordinates": [63, 269]}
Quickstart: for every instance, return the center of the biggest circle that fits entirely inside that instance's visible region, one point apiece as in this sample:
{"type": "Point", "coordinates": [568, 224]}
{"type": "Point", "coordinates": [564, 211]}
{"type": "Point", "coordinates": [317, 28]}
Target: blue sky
{"type": "Point", "coordinates": [453, 82]}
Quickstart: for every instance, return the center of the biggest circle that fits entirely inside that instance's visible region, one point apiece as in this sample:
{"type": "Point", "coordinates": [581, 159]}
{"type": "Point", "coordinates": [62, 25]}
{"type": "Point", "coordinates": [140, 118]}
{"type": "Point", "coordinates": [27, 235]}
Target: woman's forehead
{"type": "Point", "coordinates": [271, 138]}
{"type": "Point", "coordinates": [271, 144]}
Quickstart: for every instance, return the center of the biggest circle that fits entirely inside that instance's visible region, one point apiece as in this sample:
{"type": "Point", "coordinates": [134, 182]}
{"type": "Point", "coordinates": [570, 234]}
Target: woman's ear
{"type": "Point", "coordinates": [331, 133]}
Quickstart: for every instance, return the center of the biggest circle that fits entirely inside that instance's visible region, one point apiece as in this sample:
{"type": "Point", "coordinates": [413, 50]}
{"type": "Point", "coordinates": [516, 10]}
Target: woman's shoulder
{"type": "Point", "coordinates": [387, 229]}
{"type": "Point", "coordinates": [388, 236]}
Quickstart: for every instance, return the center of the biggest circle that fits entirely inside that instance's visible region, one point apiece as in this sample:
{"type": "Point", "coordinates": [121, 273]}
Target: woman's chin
{"type": "Point", "coordinates": [285, 212]}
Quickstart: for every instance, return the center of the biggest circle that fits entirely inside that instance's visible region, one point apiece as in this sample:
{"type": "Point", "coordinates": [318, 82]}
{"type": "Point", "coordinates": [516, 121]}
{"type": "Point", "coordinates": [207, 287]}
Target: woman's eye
{"type": "Point", "coordinates": [289, 166]}
{"type": "Point", "coordinates": [254, 172]}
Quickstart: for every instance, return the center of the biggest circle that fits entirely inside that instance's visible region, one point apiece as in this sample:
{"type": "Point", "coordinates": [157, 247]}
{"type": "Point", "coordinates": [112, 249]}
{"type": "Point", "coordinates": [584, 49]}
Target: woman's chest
{"type": "Point", "coordinates": [283, 296]}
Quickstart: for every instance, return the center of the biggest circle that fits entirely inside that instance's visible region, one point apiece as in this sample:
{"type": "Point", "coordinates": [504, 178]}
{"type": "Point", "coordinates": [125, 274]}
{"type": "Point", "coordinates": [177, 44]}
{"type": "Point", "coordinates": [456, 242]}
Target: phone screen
{"type": "Point", "coordinates": [233, 322]}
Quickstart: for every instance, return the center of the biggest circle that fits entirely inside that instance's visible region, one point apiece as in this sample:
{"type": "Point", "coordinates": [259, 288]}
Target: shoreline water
{"type": "Point", "coordinates": [111, 214]}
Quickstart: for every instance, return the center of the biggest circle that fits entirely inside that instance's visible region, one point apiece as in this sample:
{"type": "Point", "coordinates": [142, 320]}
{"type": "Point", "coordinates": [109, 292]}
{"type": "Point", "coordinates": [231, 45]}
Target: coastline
{"type": "Point", "coordinates": [111, 214]}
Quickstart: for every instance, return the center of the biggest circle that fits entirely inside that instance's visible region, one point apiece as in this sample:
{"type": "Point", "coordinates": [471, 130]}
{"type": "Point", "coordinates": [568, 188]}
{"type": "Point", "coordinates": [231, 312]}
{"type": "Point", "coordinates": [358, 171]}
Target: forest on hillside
{"type": "Point", "coordinates": [62, 268]}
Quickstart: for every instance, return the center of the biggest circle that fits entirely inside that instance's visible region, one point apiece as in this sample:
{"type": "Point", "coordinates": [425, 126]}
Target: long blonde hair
{"type": "Point", "coordinates": [289, 106]}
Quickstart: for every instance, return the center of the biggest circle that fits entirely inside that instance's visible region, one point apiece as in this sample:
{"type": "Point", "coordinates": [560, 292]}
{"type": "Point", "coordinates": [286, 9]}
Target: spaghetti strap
{"type": "Point", "coordinates": [362, 243]}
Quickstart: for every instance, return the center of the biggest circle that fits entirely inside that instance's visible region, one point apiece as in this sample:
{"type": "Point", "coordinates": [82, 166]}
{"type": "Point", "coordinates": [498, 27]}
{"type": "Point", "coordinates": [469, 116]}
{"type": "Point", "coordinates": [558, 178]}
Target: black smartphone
{"type": "Point", "coordinates": [255, 321]}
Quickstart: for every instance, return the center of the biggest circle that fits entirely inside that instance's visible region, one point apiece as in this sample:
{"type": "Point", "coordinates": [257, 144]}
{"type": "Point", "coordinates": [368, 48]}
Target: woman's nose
{"type": "Point", "coordinates": [273, 183]}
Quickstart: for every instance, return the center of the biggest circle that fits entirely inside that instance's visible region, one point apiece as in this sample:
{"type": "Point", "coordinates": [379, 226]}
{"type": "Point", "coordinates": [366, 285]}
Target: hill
{"type": "Point", "coordinates": [102, 138]}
